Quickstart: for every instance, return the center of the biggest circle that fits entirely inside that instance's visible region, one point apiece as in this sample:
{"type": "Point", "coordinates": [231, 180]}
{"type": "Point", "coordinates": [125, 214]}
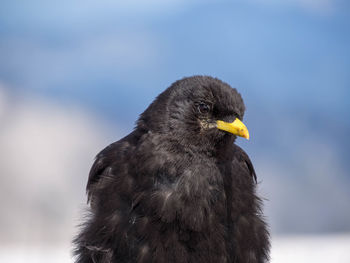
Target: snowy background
{"type": "Point", "coordinates": [75, 75]}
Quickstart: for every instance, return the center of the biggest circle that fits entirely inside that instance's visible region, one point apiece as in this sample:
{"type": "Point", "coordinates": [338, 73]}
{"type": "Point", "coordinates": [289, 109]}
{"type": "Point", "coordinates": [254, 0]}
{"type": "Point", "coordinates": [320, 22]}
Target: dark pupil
{"type": "Point", "coordinates": [203, 108]}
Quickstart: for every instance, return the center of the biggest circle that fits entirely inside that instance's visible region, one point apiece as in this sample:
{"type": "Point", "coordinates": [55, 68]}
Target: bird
{"type": "Point", "coordinates": [177, 188]}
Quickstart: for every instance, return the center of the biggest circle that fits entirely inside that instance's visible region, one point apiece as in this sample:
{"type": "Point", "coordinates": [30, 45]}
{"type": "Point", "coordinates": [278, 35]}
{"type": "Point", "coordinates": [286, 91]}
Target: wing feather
{"type": "Point", "coordinates": [112, 156]}
{"type": "Point", "coordinates": [245, 161]}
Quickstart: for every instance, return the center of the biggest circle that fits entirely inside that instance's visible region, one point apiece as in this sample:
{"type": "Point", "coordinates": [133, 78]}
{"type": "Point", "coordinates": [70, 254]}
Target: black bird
{"type": "Point", "coordinates": [177, 189]}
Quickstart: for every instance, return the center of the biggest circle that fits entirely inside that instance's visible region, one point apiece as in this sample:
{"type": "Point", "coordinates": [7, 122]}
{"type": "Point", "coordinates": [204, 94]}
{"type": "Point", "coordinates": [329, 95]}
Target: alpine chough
{"type": "Point", "coordinates": [177, 188]}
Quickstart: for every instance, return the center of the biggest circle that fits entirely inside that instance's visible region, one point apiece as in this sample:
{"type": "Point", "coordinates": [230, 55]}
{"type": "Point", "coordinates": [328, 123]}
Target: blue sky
{"type": "Point", "coordinates": [289, 59]}
{"type": "Point", "coordinates": [86, 52]}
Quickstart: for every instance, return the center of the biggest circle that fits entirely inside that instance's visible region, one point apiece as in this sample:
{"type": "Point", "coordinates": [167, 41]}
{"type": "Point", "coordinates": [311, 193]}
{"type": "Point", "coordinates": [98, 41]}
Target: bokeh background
{"type": "Point", "coordinates": [75, 75]}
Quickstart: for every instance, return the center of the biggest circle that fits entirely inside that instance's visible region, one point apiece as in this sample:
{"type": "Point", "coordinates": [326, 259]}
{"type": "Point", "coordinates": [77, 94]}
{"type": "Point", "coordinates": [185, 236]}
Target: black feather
{"type": "Point", "coordinates": [176, 189]}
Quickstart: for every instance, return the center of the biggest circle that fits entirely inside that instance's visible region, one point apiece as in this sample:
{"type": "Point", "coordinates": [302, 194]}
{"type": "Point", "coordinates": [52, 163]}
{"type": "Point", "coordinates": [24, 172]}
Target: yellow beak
{"type": "Point", "coordinates": [237, 127]}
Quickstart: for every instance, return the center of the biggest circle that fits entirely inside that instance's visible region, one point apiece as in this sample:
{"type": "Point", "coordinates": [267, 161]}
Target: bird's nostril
{"type": "Point", "coordinates": [229, 118]}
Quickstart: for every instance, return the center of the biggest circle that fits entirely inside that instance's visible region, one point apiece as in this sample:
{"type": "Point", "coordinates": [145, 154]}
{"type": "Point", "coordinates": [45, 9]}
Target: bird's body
{"type": "Point", "coordinates": [176, 189]}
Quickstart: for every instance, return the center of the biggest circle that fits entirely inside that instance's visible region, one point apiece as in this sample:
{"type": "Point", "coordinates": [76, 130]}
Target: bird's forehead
{"type": "Point", "coordinates": [221, 95]}
{"type": "Point", "coordinates": [227, 97]}
{"type": "Point", "coordinates": [213, 90]}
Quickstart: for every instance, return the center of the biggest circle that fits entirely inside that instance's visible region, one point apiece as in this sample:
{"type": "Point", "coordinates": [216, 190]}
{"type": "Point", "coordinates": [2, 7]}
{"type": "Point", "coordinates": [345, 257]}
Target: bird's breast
{"type": "Point", "coordinates": [195, 195]}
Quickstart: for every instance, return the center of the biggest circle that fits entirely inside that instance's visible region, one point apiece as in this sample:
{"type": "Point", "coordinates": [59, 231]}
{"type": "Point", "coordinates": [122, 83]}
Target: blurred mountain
{"type": "Point", "coordinates": [46, 152]}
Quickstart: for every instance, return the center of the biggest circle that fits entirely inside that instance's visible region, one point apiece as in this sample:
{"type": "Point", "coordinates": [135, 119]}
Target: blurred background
{"type": "Point", "coordinates": [75, 75]}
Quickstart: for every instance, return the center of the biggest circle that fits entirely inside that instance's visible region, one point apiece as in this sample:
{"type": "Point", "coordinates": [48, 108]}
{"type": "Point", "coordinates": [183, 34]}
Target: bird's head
{"type": "Point", "coordinates": [198, 109]}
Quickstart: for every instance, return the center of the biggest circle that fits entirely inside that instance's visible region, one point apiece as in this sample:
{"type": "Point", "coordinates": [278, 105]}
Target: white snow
{"type": "Point", "coordinates": [297, 249]}
{"type": "Point", "coordinates": [319, 248]}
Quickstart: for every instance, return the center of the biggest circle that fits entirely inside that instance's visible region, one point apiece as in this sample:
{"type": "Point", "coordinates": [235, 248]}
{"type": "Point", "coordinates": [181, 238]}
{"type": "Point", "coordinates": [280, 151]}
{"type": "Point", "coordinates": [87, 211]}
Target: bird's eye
{"type": "Point", "coordinates": [203, 108]}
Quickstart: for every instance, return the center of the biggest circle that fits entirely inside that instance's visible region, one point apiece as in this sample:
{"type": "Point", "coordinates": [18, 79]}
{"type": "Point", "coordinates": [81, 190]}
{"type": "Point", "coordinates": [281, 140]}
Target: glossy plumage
{"type": "Point", "coordinates": [176, 189]}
